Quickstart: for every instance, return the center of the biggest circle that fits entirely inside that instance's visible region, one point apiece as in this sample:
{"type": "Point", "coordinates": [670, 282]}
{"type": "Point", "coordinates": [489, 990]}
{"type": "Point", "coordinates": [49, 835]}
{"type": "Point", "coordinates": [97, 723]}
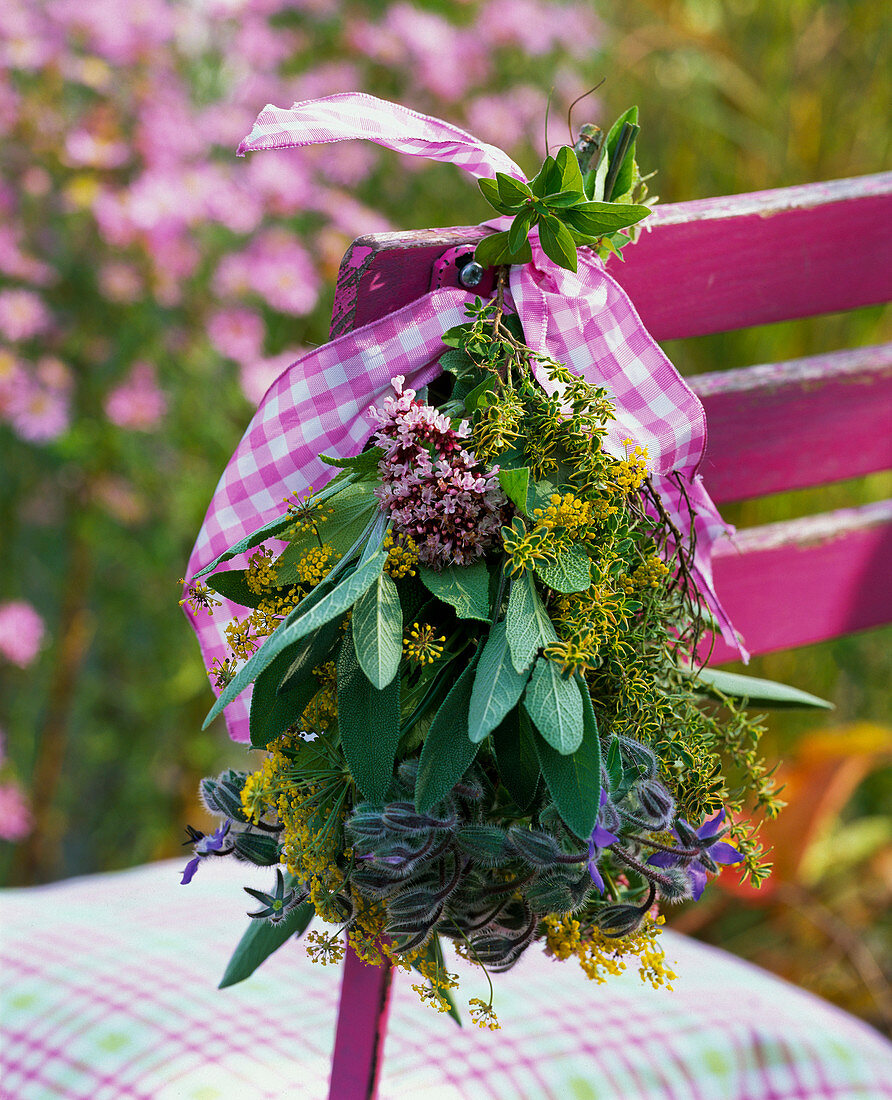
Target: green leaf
{"type": "Point", "coordinates": [513, 742]}
{"type": "Point", "coordinates": [520, 227]}
{"type": "Point", "coordinates": [547, 180]}
{"type": "Point", "coordinates": [377, 625]}
{"type": "Point", "coordinates": [231, 583]}
{"type": "Point", "coordinates": [261, 939]}
{"type": "Point", "coordinates": [369, 725]}
{"type": "Point", "coordinates": [763, 693]}
{"type": "Point", "coordinates": [447, 752]}
{"type": "Point", "coordinates": [478, 393]}
{"type": "Point", "coordinates": [574, 780]}
{"type": "Point", "coordinates": [594, 179]}
{"type": "Point", "coordinates": [623, 175]}
{"type": "Point", "coordinates": [512, 192]}
{"type": "Point", "coordinates": [528, 625]}
{"type": "Point", "coordinates": [457, 362]}
{"type": "Point", "coordinates": [309, 654]}
{"type": "Point", "coordinates": [568, 166]}
{"type": "Point", "coordinates": [556, 241]}
{"type": "Point", "coordinates": [464, 587]}
{"type": "Point", "coordinates": [595, 219]}
{"type": "Point", "coordinates": [299, 624]}
{"type": "Point", "coordinates": [615, 769]}
{"type": "Point", "coordinates": [497, 686]}
{"type": "Point", "coordinates": [493, 250]}
{"type": "Point", "coordinates": [354, 506]}
{"type": "Point", "coordinates": [365, 462]}
{"type": "Point", "coordinates": [555, 706]}
{"type": "Point", "coordinates": [515, 485]}
{"type": "Point", "coordinates": [271, 712]}
{"type": "Point", "coordinates": [490, 189]}
{"type": "Point", "coordinates": [569, 572]}
{"type": "Point", "coordinates": [563, 199]}
{"type": "Point", "coordinates": [269, 530]}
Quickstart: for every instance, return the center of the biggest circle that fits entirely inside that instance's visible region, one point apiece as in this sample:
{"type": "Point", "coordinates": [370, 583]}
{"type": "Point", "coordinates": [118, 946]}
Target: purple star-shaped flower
{"type": "Point", "coordinates": [204, 846]}
{"type": "Point", "coordinates": [600, 838]}
{"type": "Point", "coordinates": [711, 851]}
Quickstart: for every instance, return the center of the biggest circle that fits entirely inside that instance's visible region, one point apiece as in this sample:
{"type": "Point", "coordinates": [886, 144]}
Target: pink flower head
{"type": "Point", "coordinates": [237, 333]}
{"type": "Point", "coordinates": [137, 403]}
{"type": "Point", "coordinates": [433, 488]}
{"type": "Point", "coordinates": [21, 632]}
{"type": "Point", "coordinates": [22, 314]}
{"type": "Point", "coordinates": [39, 406]}
{"type": "Point", "coordinates": [15, 813]}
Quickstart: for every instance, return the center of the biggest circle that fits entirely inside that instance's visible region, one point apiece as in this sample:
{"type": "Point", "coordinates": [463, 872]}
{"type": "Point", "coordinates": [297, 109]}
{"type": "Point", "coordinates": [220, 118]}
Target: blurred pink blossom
{"type": "Point", "coordinates": [120, 282]}
{"type": "Point", "coordinates": [39, 409]}
{"type": "Point", "coordinates": [119, 33]}
{"type": "Point", "coordinates": [256, 376]}
{"type": "Point", "coordinates": [15, 813]}
{"type": "Point", "coordinates": [507, 119]}
{"type": "Point", "coordinates": [16, 264]}
{"type": "Point", "coordinates": [22, 314]}
{"type": "Point", "coordinates": [21, 632]}
{"type": "Point", "coordinates": [13, 380]}
{"type": "Point", "coordinates": [85, 149]}
{"type": "Point", "coordinates": [137, 403]}
{"type": "Point", "coordinates": [537, 27]}
{"type": "Point", "coordinates": [276, 268]}
{"type": "Point", "coordinates": [237, 333]}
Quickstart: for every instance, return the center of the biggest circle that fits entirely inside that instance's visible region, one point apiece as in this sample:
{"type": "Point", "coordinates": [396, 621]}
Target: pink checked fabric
{"type": "Point", "coordinates": [108, 992]}
{"type": "Point", "coordinates": [319, 405]}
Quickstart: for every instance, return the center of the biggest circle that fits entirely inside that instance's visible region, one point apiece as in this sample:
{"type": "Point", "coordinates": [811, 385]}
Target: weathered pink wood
{"type": "Point", "coordinates": [797, 424]}
{"type": "Point", "coordinates": [706, 266]}
{"type": "Point", "coordinates": [807, 580]}
{"type": "Point", "coordinates": [362, 1024]}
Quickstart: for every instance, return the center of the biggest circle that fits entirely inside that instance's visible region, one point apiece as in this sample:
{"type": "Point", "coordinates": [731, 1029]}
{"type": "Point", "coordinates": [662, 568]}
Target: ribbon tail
{"type": "Point", "coordinates": [691, 509]}
{"type": "Point", "coordinates": [317, 406]}
{"type": "Point", "coordinates": [351, 115]}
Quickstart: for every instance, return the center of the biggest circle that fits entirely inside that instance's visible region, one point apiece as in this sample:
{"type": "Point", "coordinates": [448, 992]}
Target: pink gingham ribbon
{"type": "Point", "coordinates": [319, 404]}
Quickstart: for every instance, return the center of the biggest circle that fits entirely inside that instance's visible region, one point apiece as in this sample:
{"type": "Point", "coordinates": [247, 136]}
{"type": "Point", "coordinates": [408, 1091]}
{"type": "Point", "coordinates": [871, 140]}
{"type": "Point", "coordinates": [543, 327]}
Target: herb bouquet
{"type": "Point", "coordinates": [476, 658]}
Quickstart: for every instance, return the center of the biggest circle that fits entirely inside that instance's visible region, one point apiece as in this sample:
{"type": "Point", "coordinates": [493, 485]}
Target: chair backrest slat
{"type": "Point", "coordinates": [797, 424]}
{"type": "Point", "coordinates": [802, 581]}
{"type": "Point", "coordinates": [720, 264]}
{"type": "Point", "coordinates": [708, 266]}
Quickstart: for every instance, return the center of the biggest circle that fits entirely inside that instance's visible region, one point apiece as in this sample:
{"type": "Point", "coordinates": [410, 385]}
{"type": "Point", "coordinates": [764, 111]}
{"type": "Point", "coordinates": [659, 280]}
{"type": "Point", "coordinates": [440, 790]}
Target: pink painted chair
{"type": "Point", "coordinates": [710, 266]}
{"type": "Point", "coordinates": [105, 998]}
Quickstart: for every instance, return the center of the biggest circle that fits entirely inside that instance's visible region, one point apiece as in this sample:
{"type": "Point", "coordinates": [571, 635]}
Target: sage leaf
{"type": "Point", "coordinates": [497, 685]}
{"type": "Point", "coordinates": [527, 623]}
{"type": "Point", "coordinates": [513, 742]}
{"type": "Point", "coordinates": [623, 173]}
{"type": "Point", "coordinates": [261, 939]}
{"type": "Point", "coordinates": [570, 571]}
{"type": "Point", "coordinates": [299, 624]}
{"type": "Point", "coordinates": [368, 723]}
{"type": "Point", "coordinates": [464, 587]}
{"type": "Point", "coordinates": [273, 712]}
{"type": "Point", "coordinates": [357, 504]}
{"type": "Point", "coordinates": [377, 625]}
{"type": "Point", "coordinates": [555, 706]}
{"type": "Point", "coordinates": [574, 780]}
{"type": "Point", "coordinates": [309, 654]}
{"type": "Point", "coordinates": [515, 485]}
{"type": "Point", "coordinates": [761, 693]}
{"type": "Point", "coordinates": [447, 752]}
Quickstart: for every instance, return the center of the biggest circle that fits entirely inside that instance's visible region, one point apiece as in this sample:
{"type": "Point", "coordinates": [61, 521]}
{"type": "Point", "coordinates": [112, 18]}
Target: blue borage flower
{"type": "Point", "coordinates": [702, 850]}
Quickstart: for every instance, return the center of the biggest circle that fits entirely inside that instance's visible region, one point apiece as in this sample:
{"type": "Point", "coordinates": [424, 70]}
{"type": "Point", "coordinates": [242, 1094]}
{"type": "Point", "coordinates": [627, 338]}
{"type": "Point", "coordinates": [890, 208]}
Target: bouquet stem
{"type": "Point", "coordinates": [363, 1009]}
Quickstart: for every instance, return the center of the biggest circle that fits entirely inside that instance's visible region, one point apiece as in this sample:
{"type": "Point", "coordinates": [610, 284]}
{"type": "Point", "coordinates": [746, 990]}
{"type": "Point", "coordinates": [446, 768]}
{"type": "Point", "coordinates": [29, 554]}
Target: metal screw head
{"type": "Point", "coordinates": [470, 275]}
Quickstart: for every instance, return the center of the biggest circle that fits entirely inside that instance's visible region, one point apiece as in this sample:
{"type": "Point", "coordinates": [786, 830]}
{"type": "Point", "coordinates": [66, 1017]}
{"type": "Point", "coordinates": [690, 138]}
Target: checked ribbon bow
{"type": "Point", "coordinates": [319, 404]}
